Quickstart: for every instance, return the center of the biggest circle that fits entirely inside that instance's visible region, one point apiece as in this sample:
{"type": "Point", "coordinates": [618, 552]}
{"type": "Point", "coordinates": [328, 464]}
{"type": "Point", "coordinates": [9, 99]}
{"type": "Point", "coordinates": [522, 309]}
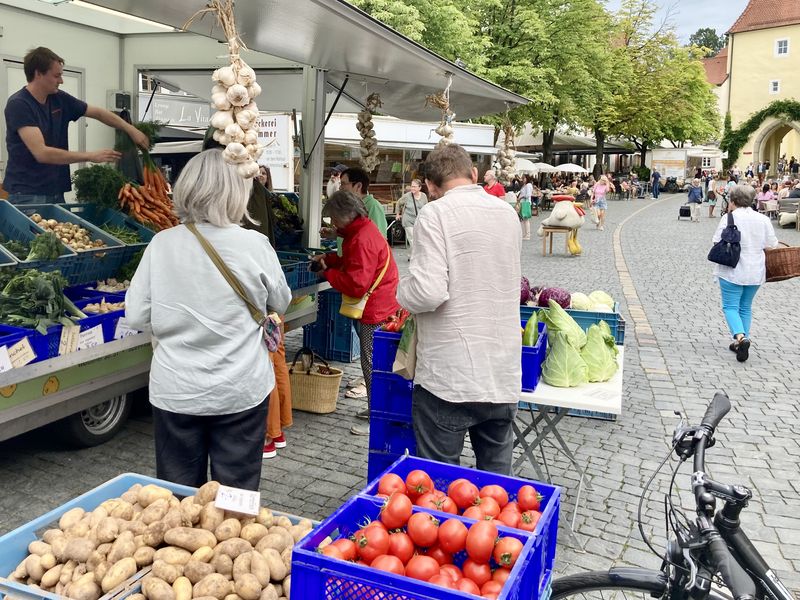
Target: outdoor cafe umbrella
{"type": "Point", "coordinates": [571, 168]}
{"type": "Point", "coordinates": [523, 165]}
{"type": "Point", "coordinates": [541, 167]}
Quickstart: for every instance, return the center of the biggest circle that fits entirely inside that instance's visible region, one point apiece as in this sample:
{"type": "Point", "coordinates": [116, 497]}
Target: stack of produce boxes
{"type": "Point", "coordinates": [332, 336]}
{"type": "Point", "coordinates": [439, 543]}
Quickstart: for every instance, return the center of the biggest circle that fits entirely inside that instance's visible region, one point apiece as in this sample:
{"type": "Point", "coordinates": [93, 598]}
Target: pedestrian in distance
{"type": "Point", "coordinates": [739, 284]}
{"type": "Point", "coordinates": [493, 187]}
{"type": "Point", "coordinates": [695, 199]}
{"type": "Point", "coordinates": [525, 206]}
{"type": "Point", "coordinates": [211, 372]}
{"type": "Point", "coordinates": [408, 207]}
{"type": "Point", "coordinates": [600, 192]}
{"type": "Point", "coordinates": [655, 180]}
{"type": "Point", "coordinates": [460, 384]}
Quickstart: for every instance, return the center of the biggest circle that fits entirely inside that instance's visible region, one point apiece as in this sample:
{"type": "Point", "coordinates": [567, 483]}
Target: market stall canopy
{"type": "Point", "coordinates": [571, 168]}
{"type": "Point", "coordinates": [347, 43]}
{"type": "Point", "coordinates": [523, 165]}
{"type": "Point", "coordinates": [541, 167]}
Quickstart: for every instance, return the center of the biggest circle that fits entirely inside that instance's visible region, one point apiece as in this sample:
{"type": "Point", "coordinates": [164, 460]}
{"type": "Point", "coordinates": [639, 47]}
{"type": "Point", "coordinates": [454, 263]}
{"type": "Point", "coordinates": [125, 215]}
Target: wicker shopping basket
{"type": "Point", "coordinates": [783, 262]}
{"type": "Point", "coordinates": [314, 391]}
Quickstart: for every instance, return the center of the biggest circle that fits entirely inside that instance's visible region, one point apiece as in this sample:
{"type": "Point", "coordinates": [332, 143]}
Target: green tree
{"type": "Point", "coordinates": [707, 39]}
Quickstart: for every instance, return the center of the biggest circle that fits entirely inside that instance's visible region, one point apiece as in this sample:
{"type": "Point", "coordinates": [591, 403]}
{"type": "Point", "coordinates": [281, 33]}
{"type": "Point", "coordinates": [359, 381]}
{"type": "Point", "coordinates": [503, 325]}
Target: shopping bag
{"type": "Point", "coordinates": [405, 361]}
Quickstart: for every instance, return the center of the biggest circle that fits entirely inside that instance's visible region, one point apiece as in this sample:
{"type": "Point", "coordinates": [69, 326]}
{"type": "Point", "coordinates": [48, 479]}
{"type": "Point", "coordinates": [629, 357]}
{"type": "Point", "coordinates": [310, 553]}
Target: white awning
{"type": "Point", "coordinates": [336, 37]}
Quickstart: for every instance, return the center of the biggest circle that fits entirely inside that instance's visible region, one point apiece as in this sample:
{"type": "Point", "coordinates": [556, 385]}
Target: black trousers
{"type": "Point", "coordinates": [440, 428]}
{"type": "Point", "coordinates": [232, 443]}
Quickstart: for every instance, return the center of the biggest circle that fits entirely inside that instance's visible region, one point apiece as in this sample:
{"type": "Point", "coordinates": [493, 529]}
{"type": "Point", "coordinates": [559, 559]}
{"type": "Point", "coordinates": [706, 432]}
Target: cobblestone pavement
{"type": "Point", "coordinates": [676, 356]}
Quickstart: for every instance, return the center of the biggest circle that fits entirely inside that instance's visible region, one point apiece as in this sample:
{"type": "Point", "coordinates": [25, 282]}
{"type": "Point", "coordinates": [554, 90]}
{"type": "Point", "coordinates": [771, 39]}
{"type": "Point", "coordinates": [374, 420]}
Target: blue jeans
{"type": "Point", "coordinates": [17, 198]}
{"type": "Point", "coordinates": [737, 304]}
{"type": "Point", "coordinates": [656, 189]}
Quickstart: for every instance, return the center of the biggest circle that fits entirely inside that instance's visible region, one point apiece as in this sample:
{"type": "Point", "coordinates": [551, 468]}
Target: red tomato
{"type": "Point", "coordinates": [442, 557]}
{"type": "Point", "coordinates": [490, 596]}
{"type": "Point", "coordinates": [332, 551]}
{"type": "Point", "coordinates": [443, 580]}
{"type": "Point", "coordinates": [422, 567]}
{"type": "Point", "coordinates": [454, 483]}
{"type": "Point", "coordinates": [489, 506]}
{"type": "Point", "coordinates": [371, 542]}
{"type": "Point", "coordinates": [512, 506]}
{"type": "Point", "coordinates": [509, 518]}
{"type": "Point", "coordinates": [497, 492]}
{"type": "Point", "coordinates": [464, 493]}
{"type": "Point", "coordinates": [480, 541]}
{"type": "Point", "coordinates": [528, 498]}
{"type": "Point", "coordinates": [467, 585]}
{"type": "Point", "coordinates": [501, 574]}
{"type": "Point", "coordinates": [388, 563]}
{"type": "Point", "coordinates": [448, 506]}
{"type": "Point", "coordinates": [396, 511]}
{"type": "Point", "coordinates": [379, 524]}
{"type": "Point", "coordinates": [428, 500]}
{"type": "Point", "coordinates": [423, 529]}
{"type": "Point", "coordinates": [506, 551]}
{"type": "Point", "coordinates": [417, 483]}
{"type": "Point", "coordinates": [452, 536]}
{"type": "Point", "coordinates": [480, 573]}
{"type": "Point", "coordinates": [347, 547]}
{"type": "Point", "coordinates": [391, 483]}
{"type": "Point", "coordinates": [491, 587]}
{"type": "Point", "coordinates": [401, 546]}
{"type": "Point", "coordinates": [474, 512]}
{"type": "Point", "coordinates": [529, 520]}
{"type": "Point", "coordinates": [453, 571]}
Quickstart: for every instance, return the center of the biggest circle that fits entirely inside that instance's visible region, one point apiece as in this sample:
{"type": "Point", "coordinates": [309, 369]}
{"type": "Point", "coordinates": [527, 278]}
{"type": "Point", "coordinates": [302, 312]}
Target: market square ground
{"type": "Point", "coordinates": [676, 356]}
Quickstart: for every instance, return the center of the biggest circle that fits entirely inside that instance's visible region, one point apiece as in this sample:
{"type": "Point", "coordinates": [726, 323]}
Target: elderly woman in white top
{"type": "Point", "coordinates": [739, 284]}
{"type": "Point", "coordinates": [211, 373]}
{"type": "Point", "coordinates": [408, 208]}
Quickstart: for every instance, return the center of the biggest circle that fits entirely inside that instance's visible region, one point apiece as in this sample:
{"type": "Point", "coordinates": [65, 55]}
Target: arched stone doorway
{"type": "Point", "coordinates": [767, 140]}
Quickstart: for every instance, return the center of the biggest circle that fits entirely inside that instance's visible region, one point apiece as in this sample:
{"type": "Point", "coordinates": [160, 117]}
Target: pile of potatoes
{"type": "Point", "coordinates": [193, 549]}
{"type": "Point", "coordinates": [71, 234]}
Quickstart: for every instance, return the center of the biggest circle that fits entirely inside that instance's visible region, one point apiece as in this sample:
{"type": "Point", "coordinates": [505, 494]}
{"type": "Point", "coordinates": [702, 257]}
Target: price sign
{"type": "Point", "coordinates": [21, 353]}
{"type": "Point", "coordinates": [70, 336]}
{"type": "Point", "coordinates": [90, 338]}
{"type": "Point", "coordinates": [123, 329]}
{"type": "Point", "coordinates": [5, 360]}
{"type": "Point", "coordinates": [236, 500]}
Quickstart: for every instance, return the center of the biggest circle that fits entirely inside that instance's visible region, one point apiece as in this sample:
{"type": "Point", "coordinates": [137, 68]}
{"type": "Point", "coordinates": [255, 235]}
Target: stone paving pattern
{"type": "Point", "coordinates": [676, 357]}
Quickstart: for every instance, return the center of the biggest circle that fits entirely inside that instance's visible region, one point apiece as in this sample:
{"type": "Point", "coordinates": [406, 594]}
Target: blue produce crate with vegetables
{"type": "Point", "coordinates": [533, 358]}
{"type": "Point", "coordinates": [332, 336]}
{"type": "Point", "coordinates": [11, 335]}
{"type": "Point", "coordinates": [108, 321]}
{"type": "Point", "coordinates": [107, 217]}
{"type": "Point", "coordinates": [315, 575]}
{"type": "Point", "coordinates": [89, 290]}
{"type": "Point", "coordinates": [7, 259]}
{"type": "Point", "coordinates": [15, 226]}
{"type": "Point", "coordinates": [587, 318]}
{"type": "Point", "coordinates": [295, 268]}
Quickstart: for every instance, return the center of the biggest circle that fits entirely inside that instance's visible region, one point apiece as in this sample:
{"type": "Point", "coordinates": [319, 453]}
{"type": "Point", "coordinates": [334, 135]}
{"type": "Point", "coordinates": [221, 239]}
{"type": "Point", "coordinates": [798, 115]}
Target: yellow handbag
{"type": "Point", "coordinates": [353, 308]}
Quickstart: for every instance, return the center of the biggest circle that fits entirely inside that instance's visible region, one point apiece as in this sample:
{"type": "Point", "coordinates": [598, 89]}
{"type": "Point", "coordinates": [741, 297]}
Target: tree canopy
{"type": "Point", "coordinates": [707, 40]}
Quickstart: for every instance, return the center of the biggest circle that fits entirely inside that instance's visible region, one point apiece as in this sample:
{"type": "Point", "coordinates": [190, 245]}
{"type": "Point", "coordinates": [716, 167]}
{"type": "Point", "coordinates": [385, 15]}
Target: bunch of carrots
{"type": "Point", "coordinates": [149, 203]}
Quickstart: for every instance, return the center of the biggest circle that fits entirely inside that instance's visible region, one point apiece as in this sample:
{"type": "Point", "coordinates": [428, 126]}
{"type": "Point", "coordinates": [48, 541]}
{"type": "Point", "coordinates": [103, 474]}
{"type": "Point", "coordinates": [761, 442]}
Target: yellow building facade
{"type": "Point", "coordinates": [763, 65]}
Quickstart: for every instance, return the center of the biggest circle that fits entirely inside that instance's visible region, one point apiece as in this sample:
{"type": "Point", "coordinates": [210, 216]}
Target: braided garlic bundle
{"type": "Point", "coordinates": [369, 143]}
{"type": "Point", "coordinates": [506, 156]}
{"type": "Point", "coordinates": [442, 102]}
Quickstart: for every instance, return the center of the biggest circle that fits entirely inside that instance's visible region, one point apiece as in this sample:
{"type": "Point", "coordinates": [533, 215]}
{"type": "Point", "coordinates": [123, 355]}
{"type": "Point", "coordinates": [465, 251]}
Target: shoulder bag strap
{"type": "Point", "coordinates": [258, 316]}
{"type": "Point", "coordinates": [383, 271]}
{"type": "Point", "coordinates": [416, 210]}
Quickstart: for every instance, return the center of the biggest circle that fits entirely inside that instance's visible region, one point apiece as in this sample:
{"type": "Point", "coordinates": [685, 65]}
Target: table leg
{"type": "Point", "coordinates": [526, 451]}
{"type": "Point", "coordinates": [544, 244]}
{"type": "Point", "coordinates": [551, 242]}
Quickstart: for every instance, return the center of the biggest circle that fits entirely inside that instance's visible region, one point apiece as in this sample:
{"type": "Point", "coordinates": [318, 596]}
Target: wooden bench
{"type": "Point", "coordinates": [548, 234]}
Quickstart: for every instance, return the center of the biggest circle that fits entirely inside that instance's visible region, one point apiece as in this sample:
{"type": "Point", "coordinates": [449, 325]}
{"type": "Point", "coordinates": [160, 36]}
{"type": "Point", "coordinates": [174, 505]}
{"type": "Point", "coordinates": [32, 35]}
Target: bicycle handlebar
{"type": "Point", "coordinates": [719, 407]}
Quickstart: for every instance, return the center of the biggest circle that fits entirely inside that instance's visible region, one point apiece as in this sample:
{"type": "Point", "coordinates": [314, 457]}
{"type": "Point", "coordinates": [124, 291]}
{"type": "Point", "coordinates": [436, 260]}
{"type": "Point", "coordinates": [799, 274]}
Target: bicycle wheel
{"type": "Point", "coordinates": [618, 583]}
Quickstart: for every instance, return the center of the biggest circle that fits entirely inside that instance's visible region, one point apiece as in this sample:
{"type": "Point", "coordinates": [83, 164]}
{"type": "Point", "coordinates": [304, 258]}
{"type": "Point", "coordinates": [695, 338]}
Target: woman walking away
{"type": "Point", "coordinates": [525, 206]}
{"type": "Point", "coordinates": [695, 199]}
{"type": "Point", "coordinates": [211, 372]}
{"type": "Point", "coordinates": [599, 202]}
{"type": "Point", "coordinates": [366, 264]}
{"type": "Point", "coordinates": [739, 284]}
{"type": "Point", "coordinates": [408, 208]}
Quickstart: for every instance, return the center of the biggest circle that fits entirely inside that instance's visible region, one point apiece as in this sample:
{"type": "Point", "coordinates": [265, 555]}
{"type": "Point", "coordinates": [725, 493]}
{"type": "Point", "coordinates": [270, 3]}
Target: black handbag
{"type": "Point", "coordinates": [727, 250]}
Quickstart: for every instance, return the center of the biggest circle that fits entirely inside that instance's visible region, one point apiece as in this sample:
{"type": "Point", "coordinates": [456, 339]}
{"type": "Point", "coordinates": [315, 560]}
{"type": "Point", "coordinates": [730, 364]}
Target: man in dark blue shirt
{"type": "Point", "coordinates": [656, 181]}
{"type": "Point", "coordinates": [37, 119]}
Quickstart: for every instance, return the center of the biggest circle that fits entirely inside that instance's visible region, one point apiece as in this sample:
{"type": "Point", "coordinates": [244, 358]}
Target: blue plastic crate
{"type": "Point", "coordinates": [533, 358]}
{"type": "Point", "coordinates": [7, 259]}
{"type": "Point", "coordinates": [391, 396]}
{"type": "Point", "coordinates": [442, 474]}
{"type": "Point", "coordinates": [14, 225]}
{"type": "Point", "coordinates": [384, 349]}
{"type": "Point", "coordinates": [378, 462]}
{"type": "Point", "coordinates": [295, 268]}
{"type": "Point", "coordinates": [587, 318]}
{"type": "Point", "coordinates": [88, 290]}
{"type": "Point", "coordinates": [89, 265]}
{"type": "Point", "coordinates": [317, 576]}
{"type": "Point", "coordinates": [107, 321]}
{"type": "Point", "coordinates": [100, 215]}
{"type": "Point", "coordinates": [393, 437]}
{"type": "Point", "coordinates": [11, 335]}
{"type": "Point", "coordinates": [333, 336]}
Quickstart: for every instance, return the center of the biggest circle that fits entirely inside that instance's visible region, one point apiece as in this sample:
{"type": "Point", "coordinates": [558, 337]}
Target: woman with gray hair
{"type": "Point", "coordinates": [366, 259]}
{"type": "Point", "coordinates": [211, 372]}
{"type": "Point", "coordinates": [739, 284]}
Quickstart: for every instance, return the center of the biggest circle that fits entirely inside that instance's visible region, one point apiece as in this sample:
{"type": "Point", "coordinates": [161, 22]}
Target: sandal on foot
{"type": "Point", "coordinates": [357, 392]}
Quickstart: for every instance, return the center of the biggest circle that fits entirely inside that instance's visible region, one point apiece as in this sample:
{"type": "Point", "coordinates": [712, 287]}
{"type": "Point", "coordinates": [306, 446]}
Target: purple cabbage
{"type": "Point", "coordinates": [524, 290]}
{"type": "Point", "coordinates": [559, 295]}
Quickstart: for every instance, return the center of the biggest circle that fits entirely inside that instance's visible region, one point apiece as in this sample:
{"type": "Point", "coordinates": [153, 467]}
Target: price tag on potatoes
{"type": "Point", "coordinates": [123, 330]}
{"type": "Point", "coordinates": [90, 338]}
{"type": "Point", "coordinates": [5, 360]}
{"type": "Point", "coordinates": [21, 353]}
{"type": "Point", "coordinates": [70, 336]}
{"type": "Point", "coordinates": [236, 500]}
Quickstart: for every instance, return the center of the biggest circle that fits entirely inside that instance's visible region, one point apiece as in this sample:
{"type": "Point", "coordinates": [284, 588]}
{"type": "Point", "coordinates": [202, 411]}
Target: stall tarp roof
{"type": "Point", "coordinates": [334, 36]}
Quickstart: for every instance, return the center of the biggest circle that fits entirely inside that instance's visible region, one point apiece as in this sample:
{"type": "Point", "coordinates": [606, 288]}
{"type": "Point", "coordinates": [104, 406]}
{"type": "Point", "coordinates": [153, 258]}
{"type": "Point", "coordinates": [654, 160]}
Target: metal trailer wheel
{"type": "Point", "coordinates": [98, 424]}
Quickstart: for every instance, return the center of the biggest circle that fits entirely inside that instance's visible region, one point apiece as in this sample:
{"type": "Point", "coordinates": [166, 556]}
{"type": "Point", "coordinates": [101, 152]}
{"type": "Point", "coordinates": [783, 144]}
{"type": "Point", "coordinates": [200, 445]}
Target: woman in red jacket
{"type": "Point", "coordinates": [365, 253]}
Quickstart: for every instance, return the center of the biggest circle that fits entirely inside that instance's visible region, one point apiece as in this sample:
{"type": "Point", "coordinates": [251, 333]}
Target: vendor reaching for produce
{"type": "Point", "coordinates": [463, 291]}
{"type": "Point", "coordinates": [356, 180]}
{"type": "Point", "coordinates": [37, 119]}
{"type": "Point", "coordinates": [211, 372]}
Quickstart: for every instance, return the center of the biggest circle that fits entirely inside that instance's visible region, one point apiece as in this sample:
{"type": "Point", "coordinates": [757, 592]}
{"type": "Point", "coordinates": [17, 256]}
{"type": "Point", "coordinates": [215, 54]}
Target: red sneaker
{"type": "Point", "coordinates": [280, 441]}
{"type": "Point", "coordinates": [269, 450]}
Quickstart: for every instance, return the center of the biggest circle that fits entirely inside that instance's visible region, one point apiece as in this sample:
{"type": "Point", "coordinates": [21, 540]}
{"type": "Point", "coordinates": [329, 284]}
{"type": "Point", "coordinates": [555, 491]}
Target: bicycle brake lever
{"type": "Point", "coordinates": [687, 557]}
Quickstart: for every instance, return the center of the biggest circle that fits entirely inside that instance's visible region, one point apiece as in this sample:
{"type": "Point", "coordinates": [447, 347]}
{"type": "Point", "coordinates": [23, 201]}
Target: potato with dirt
{"type": "Point", "coordinates": [216, 585]}
{"type": "Point", "coordinates": [182, 588]}
{"type": "Point", "coordinates": [123, 547]}
{"type": "Point", "coordinates": [229, 528]}
{"type": "Point", "coordinates": [157, 589]}
{"type": "Point", "coordinates": [118, 573]}
{"type": "Point", "coordinates": [206, 493]}
{"type": "Point", "coordinates": [189, 538]}
{"type": "Point", "coordinates": [173, 555]}
{"type": "Point", "coordinates": [150, 493]}
{"type": "Point", "coordinates": [195, 570]}
{"type": "Point", "coordinates": [167, 572]}
{"type": "Point", "coordinates": [211, 517]}
{"type": "Point", "coordinates": [247, 586]}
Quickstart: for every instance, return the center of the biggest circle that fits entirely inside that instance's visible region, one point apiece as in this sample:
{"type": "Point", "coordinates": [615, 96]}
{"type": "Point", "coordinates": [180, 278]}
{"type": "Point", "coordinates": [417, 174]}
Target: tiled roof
{"type": "Point", "coordinates": [717, 67]}
{"type": "Point", "coordinates": [765, 14]}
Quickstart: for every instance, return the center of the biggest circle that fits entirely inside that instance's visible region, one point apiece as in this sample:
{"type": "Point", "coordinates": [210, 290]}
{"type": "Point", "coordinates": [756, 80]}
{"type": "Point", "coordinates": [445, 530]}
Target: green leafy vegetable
{"type": "Point", "coordinates": [17, 248]}
{"type": "Point", "coordinates": [124, 234]}
{"type": "Point", "coordinates": [45, 246]}
{"type": "Point", "coordinates": [36, 300]}
{"type": "Point", "coordinates": [580, 301]}
{"type": "Point", "coordinates": [563, 366]}
{"type": "Point", "coordinates": [600, 359]}
{"type": "Point", "coordinates": [558, 319]}
{"type": "Point", "coordinates": [99, 184]}
{"type": "Point", "coordinates": [611, 342]}
{"type": "Point", "coordinates": [531, 333]}
{"type": "Point", "coordinates": [602, 298]}
{"type": "Point", "coordinates": [149, 128]}
{"type": "Point", "coordinates": [127, 270]}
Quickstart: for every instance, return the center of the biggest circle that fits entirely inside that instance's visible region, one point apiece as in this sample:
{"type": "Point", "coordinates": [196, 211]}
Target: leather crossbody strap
{"type": "Point", "coordinates": [258, 316]}
{"type": "Point", "coordinates": [383, 271]}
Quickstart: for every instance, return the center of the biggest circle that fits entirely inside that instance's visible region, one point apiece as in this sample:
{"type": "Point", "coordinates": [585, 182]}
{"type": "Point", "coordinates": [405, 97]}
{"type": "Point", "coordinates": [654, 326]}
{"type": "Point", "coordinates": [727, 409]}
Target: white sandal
{"type": "Point", "coordinates": [359, 391]}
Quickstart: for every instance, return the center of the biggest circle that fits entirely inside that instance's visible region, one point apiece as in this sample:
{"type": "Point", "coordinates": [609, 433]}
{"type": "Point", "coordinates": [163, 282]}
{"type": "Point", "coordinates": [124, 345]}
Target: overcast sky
{"type": "Point", "coordinates": [690, 15]}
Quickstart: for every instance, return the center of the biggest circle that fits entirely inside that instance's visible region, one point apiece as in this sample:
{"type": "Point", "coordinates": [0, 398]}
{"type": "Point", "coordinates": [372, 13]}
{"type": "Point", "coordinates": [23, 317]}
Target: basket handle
{"type": "Point", "coordinates": [784, 244]}
{"type": "Point", "coordinates": [305, 351]}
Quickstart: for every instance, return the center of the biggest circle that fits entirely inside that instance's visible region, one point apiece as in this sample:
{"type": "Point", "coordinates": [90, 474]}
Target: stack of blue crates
{"type": "Point", "coordinates": [332, 336]}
